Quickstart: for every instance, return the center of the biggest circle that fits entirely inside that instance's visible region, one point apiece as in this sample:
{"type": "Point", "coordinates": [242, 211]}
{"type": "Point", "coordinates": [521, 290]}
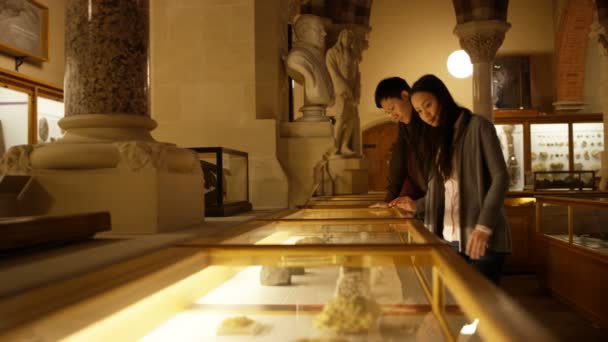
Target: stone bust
{"type": "Point", "coordinates": [306, 65]}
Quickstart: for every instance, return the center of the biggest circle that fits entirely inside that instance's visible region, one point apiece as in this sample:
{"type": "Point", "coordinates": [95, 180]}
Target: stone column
{"type": "Point", "coordinates": [107, 159]}
{"type": "Point", "coordinates": [481, 39]}
{"type": "Point", "coordinates": [600, 32]}
{"type": "Point", "coordinates": [107, 68]}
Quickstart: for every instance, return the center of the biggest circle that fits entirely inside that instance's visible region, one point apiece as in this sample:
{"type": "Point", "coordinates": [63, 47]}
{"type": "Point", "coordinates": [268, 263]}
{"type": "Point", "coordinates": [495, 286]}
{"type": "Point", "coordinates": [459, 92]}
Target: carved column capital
{"type": "Point", "coordinates": [481, 38]}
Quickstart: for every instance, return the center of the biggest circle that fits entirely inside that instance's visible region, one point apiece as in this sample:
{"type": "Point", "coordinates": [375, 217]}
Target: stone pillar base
{"type": "Point", "coordinates": [350, 175]}
{"type": "Point", "coordinates": [148, 187]}
{"type": "Point", "coordinates": [312, 113]}
{"type": "Point", "coordinates": [305, 145]}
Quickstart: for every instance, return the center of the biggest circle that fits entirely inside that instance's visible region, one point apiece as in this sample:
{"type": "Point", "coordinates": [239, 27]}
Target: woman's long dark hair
{"type": "Point", "coordinates": [449, 112]}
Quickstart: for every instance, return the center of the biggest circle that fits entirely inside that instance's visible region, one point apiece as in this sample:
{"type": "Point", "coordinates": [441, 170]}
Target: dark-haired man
{"type": "Point", "coordinates": [411, 156]}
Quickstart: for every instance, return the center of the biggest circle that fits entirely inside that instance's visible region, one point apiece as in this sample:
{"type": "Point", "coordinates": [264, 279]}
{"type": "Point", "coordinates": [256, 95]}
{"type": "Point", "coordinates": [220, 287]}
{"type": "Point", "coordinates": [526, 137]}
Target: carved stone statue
{"type": "Point", "coordinates": [306, 65]}
{"type": "Point", "coordinates": [343, 65]}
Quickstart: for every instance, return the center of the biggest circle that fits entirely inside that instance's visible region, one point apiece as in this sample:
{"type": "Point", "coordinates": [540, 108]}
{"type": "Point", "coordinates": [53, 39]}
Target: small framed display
{"type": "Point", "coordinates": [226, 173]}
{"type": "Point", "coordinates": [24, 26]}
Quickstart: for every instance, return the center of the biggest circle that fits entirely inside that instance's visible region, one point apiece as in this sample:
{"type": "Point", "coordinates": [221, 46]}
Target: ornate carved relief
{"type": "Point", "coordinates": [137, 155]}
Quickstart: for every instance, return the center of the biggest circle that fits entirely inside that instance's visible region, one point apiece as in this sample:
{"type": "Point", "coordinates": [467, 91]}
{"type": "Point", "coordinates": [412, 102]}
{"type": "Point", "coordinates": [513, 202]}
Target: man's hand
{"type": "Point", "coordinates": [478, 242]}
{"type": "Point", "coordinates": [403, 202]}
{"type": "Point", "coordinates": [379, 205]}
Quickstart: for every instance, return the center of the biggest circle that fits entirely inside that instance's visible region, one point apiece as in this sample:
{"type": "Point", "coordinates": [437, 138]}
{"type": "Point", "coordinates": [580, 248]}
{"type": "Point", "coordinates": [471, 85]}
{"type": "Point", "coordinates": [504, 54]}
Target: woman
{"type": "Point", "coordinates": [464, 203]}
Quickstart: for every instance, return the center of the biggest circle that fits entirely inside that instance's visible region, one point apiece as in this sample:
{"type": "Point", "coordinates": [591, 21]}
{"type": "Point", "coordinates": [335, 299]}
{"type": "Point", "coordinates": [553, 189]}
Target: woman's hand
{"type": "Point", "coordinates": [403, 202]}
{"type": "Point", "coordinates": [478, 242]}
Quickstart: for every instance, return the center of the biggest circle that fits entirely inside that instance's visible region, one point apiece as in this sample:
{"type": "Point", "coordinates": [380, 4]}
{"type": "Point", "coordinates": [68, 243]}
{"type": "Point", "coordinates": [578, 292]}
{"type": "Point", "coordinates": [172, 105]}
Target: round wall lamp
{"type": "Point", "coordinates": [459, 64]}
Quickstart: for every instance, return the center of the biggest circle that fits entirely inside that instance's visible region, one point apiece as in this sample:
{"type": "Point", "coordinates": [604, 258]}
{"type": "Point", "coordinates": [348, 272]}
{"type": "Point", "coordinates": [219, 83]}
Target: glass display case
{"type": "Point", "coordinates": [571, 248]}
{"type": "Point", "coordinates": [535, 142]}
{"type": "Point", "coordinates": [226, 173]}
{"type": "Point", "coordinates": [564, 180]}
{"type": "Point", "coordinates": [14, 119]}
{"type": "Point", "coordinates": [549, 147]}
{"type": "Point", "coordinates": [29, 110]}
{"type": "Point", "coordinates": [588, 145]}
{"type": "Point", "coordinates": [381, 279]}
{"type": "Point", "coordinates": [383, 292]}
{"type": "Point", "coordinates": [351, 201]}
{"type": "Point", "coordinates": [49, 113]}
{"type": "Point", "coordinates": [512, 144]}
{"type": "Point", "coordinates": [576, 221]}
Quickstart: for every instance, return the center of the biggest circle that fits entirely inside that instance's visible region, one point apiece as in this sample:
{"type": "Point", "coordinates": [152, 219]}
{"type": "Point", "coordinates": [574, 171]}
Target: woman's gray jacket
{"type": "Point", "coordinates": [483, 182]}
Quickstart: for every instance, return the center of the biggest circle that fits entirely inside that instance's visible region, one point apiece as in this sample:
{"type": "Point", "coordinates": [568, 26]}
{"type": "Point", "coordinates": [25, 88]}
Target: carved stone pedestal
{"type": "Point", "coordinates": [349, 175]}
{"type": "Point", "coordinates": [148, 187]}
{"type": "Point", "coordinates": [305, 144]}
{"type": "Point", "coordinates": [313, 113]}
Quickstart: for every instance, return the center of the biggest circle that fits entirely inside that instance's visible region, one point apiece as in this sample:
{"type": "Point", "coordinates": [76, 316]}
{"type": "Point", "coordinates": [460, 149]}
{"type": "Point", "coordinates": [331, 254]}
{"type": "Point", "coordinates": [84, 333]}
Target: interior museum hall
{"type": "Point", "coordinates": [303, 170]}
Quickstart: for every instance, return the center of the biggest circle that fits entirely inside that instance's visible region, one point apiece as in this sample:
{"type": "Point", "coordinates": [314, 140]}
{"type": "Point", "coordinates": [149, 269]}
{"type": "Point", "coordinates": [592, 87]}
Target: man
{"type": "Point", "coordinates": [411, 156]}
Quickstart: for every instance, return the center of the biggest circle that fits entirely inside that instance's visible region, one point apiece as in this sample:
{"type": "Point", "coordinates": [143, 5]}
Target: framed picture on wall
{"type": "Point", "coordinates": [511, 82]}
{"type": "Point", "coordinates": [24, 26]}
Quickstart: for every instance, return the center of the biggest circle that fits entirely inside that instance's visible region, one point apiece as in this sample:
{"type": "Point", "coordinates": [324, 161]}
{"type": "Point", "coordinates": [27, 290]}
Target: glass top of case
{"type": "Point", "coordinates": [348, 213]}
{"type": "Point", "coordinates": [294, 233]}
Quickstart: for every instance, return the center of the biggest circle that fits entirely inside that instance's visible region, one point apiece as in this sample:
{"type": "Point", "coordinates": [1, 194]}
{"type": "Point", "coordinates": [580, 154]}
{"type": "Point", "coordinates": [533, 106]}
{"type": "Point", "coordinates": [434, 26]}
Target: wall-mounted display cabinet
{"type": "Point", "coordinates": [532, 142]}
{"type": "Point", "coordinates": [29, 111]}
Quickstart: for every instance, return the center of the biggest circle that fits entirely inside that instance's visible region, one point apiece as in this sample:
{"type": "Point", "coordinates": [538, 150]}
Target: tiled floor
{"type": "Point", "coordinates": [566, 323]}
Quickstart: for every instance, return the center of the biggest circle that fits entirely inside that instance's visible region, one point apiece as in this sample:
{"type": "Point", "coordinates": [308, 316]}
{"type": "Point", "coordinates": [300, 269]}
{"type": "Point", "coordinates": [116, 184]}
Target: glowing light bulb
{"type": "Point", "coordinates": [459, 64]}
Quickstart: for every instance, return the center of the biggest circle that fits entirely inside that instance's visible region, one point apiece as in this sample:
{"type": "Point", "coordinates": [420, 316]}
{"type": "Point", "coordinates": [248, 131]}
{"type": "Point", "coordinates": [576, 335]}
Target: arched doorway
{"type": "Point", "coordinates": [378, 142]}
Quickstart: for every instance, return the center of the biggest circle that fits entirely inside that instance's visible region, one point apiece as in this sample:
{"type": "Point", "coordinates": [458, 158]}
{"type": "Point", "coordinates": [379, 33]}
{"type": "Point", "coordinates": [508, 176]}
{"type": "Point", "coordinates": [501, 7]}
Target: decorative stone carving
{"type": "Point", "coordinates": [343, 66]}
{"type": "Point", "coordinates": [136, 155]}
{"type": "Point", "coordinates": [481, 39]}
{"type": "Point", "coordinates": [139, 154]}
{"type": "Point", "coordinates": [16, 161]}
{"type": "Point", "coordinates": [306, 65]}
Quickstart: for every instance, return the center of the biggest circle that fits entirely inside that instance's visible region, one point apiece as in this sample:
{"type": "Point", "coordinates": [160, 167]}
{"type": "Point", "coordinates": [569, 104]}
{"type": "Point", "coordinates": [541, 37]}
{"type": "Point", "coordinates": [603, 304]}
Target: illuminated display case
{"type": "Point", "coordinates": [226, 173]}
{"type": "Point", "coordinates": [357, 278]}
{"type": "Point", "coordinates": [534, 142]}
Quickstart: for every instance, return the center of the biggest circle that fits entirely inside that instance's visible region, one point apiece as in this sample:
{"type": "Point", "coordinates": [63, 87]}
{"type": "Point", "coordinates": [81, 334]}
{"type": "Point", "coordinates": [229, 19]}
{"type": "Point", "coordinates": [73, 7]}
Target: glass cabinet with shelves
{"type": "Point", "coordinates": [548, 144]}
{"type": "Point", "coordinates": [29, 111]}
{"type": "Point", "coordinates": [512, 144]}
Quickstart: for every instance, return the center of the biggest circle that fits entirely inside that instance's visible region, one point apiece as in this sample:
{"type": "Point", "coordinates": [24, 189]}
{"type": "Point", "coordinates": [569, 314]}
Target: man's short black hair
{"type": "Point", "coordinates": [390, 87]}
